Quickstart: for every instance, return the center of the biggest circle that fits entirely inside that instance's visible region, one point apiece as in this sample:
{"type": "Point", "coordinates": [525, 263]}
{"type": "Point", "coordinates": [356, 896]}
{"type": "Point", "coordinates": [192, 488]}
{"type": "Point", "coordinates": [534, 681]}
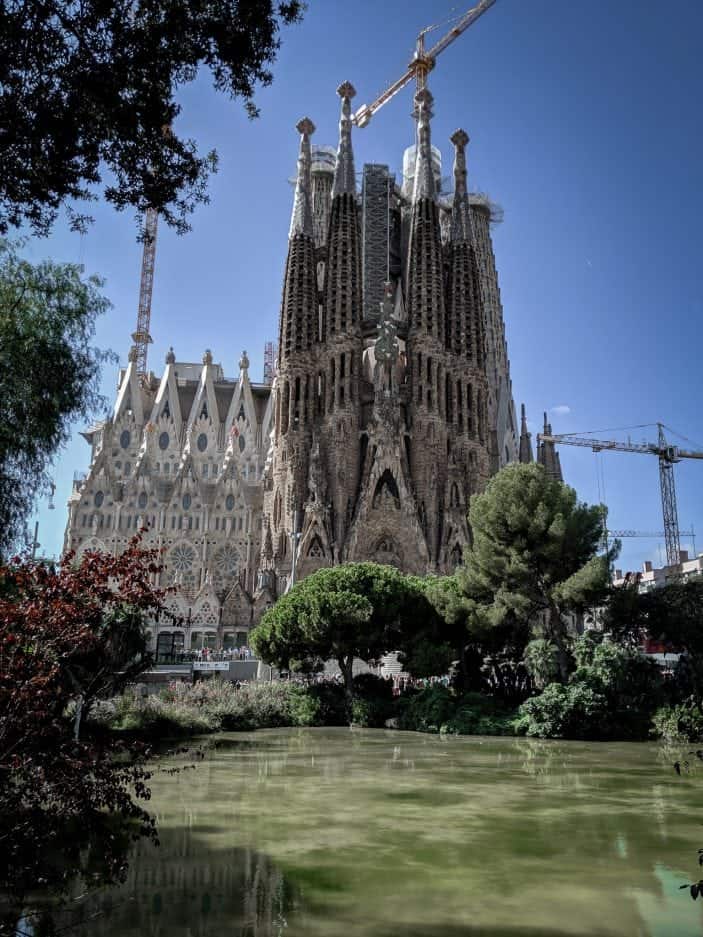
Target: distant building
{"type": "Point", "coordinates": [653, 577]}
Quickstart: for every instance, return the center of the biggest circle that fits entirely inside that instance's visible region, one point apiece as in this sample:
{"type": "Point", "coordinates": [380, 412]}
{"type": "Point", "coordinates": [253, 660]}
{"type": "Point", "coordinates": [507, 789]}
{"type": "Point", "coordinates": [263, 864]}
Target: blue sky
{"type": "Point", "coordinates": [585, 126]}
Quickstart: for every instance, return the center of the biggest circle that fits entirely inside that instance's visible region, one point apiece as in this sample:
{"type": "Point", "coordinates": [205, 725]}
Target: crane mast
{"type": "Point", "coordinates": [422, 63]}
{"type": "Point", "coordinates": [142, 337]}
{"type": "Point", "coordinates": [668, 456]}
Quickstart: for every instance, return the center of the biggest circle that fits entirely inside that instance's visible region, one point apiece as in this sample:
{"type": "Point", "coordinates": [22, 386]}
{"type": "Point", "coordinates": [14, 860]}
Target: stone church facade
{"type": "Point", "coordinates": [390, 407]}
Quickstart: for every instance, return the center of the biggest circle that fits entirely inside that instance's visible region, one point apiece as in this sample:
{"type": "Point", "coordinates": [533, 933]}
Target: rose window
{"type": "Point", "coordinates": [226, 565]}
{"type": "Point", "coordinates": [182, 564]}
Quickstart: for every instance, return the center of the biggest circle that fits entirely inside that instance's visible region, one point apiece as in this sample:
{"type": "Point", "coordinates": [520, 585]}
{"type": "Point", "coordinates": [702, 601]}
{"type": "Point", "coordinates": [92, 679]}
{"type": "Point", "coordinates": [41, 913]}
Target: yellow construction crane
{"type": "Point", "coordinates": [668, 456]}
{"type": "Point", "coordinates": [142, 337]}
{"type": "Point", "coordinates": [423, 61]}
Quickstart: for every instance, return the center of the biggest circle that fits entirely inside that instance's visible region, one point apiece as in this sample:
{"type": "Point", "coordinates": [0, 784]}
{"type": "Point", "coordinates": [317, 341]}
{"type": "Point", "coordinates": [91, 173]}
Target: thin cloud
{"type": "Point", "coordinates": [561, 410]}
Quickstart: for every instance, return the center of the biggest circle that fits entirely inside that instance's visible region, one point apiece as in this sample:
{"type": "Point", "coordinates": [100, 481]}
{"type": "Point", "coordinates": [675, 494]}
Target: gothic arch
{"type": "Point", "coordinates": [315, 548]}
{"type": "Point", "coordinates": [386, 489]}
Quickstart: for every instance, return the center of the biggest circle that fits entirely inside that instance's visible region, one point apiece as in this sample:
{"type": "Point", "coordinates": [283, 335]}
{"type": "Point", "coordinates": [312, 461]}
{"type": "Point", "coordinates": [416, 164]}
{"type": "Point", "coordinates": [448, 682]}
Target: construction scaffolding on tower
{"type": "Point", "coordinates": [376, 192]}
{"type": "Point", "coordinates": [269, 362]}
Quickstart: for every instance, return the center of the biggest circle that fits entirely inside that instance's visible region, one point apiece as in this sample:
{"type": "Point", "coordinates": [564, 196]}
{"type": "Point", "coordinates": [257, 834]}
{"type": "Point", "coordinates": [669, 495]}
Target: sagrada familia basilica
{"type": "Point", "coordinates": [391, 403]}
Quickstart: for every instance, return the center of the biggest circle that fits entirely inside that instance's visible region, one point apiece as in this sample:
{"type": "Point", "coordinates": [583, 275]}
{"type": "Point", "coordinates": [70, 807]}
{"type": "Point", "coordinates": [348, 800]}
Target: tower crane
{"type": "Point", "coordinates": [423, 61]}
{"type": "Point", "coordinates": [668, 456]}
{"type": "Point", "coordinates": [141, 337]}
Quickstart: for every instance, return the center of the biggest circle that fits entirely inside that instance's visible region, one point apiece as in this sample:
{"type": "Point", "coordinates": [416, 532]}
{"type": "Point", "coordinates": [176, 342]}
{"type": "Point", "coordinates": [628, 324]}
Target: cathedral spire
{"type": "Point", "coordinates": [425, 262]}
{"type": "Point", "coordinates": [424, 178]}
{"type": "Point", "coordinates": [465, 328]}
{"type": "Point", "coordinates": [525, 439]}
{"type": "Point", "coordinates": [341, 309]}
{"type": "Point", "coordinates": [344, 177]}
{"type": "Point", "coordinates": [461, 212]}
{"type": "Point", "coordinates": [301, 220]}
{"type": "Point", "coordinates": [299, 309]}
{"type": "Point", "coordinates": [547, 454]}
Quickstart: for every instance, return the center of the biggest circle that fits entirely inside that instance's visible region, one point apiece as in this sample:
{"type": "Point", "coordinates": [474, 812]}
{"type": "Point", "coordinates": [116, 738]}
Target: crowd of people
{"type": "Point", "coordinates": [219, 654]}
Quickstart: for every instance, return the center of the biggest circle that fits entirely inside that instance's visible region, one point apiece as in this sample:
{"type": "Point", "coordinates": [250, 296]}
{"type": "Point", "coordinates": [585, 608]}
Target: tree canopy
{"type": "Point", "coordinates": [357, 610]}
{"type": "Point", "coordinates": [49, 373]}
{"type": "Point", "coordinates": [534, 554]}
{"type": "Point", "coordinates": [89, 90]}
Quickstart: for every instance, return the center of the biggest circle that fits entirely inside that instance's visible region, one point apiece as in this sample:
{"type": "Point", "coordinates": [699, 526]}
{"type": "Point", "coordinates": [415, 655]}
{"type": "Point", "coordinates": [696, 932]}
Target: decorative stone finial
{"type": "Point", "coordinates": [460, 138]}
{"type": "Point", "coordinates": [170, 356]}
{"type": "Point", "coordinates": [133, 353]}
{"type": "Point", "coordinates": [344, 176]}
{"type": "Point", "coordinates": [305, 127]}
{"type": "Point", "coordinates": [244, 362]}
{"type": "Point", "coordinates": [301, 220]}
{"type": "Point", "coordinates": [346, 90]}
{"type": "Point", "coordinates": [207, 357]}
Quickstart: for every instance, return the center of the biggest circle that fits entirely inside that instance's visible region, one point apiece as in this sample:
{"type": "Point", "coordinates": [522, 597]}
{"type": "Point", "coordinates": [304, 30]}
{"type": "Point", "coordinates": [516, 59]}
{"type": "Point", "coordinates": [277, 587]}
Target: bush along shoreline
{"type": "Point", "coordinates": [613, 695]}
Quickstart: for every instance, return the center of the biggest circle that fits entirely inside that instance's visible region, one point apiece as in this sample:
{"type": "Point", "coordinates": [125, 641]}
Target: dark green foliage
{"type": "Point", "coordinates": [533, 557]}
{"type": "Point", "coordinates": [49, 374]}
{"type": "Point", "coordinates": [320, 704]}
{"type": "Point", "coordinates": [439, 709]}
{"type": "Point", "coordinates": [674, 615]}
{"type": "Point", "coordinates": [481, 715]}
{"type": "Point", "coordinates": [612, 694]}
{"type": "Point", "coordinates": [88, 88]}
{"type": "Point", "coordinates": [427, 710]}
{"type": "Point", "coordinates": [441, 638]}
{"type": "Point", "coordinates": [373, 701]}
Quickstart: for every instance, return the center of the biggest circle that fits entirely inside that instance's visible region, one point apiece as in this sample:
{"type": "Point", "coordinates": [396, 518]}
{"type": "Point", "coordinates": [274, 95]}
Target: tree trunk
{"type": "Point", "coordinates": [346, 666]}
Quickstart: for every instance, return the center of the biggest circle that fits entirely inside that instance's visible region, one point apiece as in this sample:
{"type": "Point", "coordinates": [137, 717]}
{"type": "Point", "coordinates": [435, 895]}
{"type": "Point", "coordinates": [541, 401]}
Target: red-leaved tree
{"type": "Point", "coordinates": [69, 636]}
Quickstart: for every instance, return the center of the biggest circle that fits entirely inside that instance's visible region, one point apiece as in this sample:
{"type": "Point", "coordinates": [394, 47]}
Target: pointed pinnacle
{"type": "Point", "coordinates": [461, 213]}
{"type": "Point", "coordinates": [301, 219]}
{"type": "Point", "coordinates": [344, 176]}
{"type": "Point", "coordinates": [424, 177]}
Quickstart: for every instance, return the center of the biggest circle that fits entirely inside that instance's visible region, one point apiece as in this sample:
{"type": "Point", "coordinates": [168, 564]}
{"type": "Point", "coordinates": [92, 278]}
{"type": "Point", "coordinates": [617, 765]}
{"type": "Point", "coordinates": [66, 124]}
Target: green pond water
{"type": "Point", "coordinates": [376, 833]}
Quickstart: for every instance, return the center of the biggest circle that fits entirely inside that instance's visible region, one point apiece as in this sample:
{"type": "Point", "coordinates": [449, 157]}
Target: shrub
{"type": "Point", "coordinates": [481, 715]}
{"type": "Point", "coordinates": [373, 701]}
{"type": "Point", "coordinates": [572, 712]}
{"type": "Point", "coordinates": [612, 694]}
{"type": "Point", "coordinates": [678, 723]}
{"type": "Point", "coordinates": [427, 710]}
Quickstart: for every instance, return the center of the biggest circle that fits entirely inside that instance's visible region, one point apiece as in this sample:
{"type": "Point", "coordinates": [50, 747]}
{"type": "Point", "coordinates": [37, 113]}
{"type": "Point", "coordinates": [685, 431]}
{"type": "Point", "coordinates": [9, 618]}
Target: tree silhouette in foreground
{"type": "Point", "coordinates": [87, 89]}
